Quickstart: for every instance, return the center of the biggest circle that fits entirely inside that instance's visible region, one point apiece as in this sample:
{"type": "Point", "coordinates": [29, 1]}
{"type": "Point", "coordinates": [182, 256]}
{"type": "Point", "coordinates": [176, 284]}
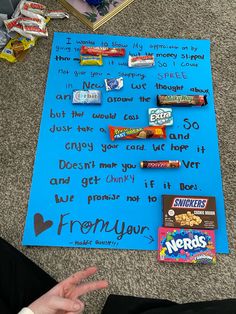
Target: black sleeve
{"type": "Point", "coordinates": [22, 281]}
{"type": "Point", "coordinates": [116, 304]}
{"type": "Point", "coordinates": [119, 304]}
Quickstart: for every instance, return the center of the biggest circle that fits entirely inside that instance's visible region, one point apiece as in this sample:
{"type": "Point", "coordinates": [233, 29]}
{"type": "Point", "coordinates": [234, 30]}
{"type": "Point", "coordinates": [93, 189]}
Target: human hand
{"type": "Point", "coordinates": [63, 298]}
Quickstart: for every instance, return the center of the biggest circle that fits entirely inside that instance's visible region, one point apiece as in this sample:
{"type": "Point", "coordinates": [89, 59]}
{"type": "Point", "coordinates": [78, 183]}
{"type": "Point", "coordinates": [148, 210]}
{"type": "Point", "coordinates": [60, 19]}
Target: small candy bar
{"type": "Point", "coordinates": [181, 211]}
{"type": "Point", "coordinates": [141, 61]}
{"type": "Point", "coordinates": [32, 9]}
{"type": "Point", "coordinates": [160, 116]}
{"type": "Point", "coordinates": [182, 100]}
{"type": "Point", "coordinates": [186, 246]}
{"type": "Point", "coordinates": [30, 21]}
{"type": "Point", "coordinates": [91, 60]}
{"type": "Point", "coordinates": [89, 97]}
{"type": "Point", "coordinates": [123, 133]}
{"type": "Point", "coordinates": [56, 14]}
{"type": "Point", "coordinates": [112, 84]}
{"type": "Point", "coordinates": [160, 164]}
{"type": "Point", "coordinates": [35, 31]}
{"type": "Point", "coordinates": [104, 51]}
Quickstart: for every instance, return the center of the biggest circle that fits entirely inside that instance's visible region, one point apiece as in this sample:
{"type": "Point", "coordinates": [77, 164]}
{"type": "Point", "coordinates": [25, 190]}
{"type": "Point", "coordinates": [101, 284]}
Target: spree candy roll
{"type": "Point", "coordinates": [123, 133]}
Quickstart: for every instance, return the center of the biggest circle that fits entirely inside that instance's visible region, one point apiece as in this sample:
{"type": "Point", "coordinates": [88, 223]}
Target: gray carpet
{"type": "Point", "coordinates": [21, 98]}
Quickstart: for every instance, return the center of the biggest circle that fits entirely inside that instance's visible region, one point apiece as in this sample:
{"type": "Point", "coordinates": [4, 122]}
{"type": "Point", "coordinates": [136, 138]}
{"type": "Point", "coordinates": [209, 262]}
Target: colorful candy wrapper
{"type": "Point", "coordinates": [17, 11]}
{"type": "Point", "coordinates": [4, 38]}
{"type": "Point", "coordinates": [186, 246]}
{"type": "Point", "coordinates": [14, 49]}
{"type": "Point", "coordinates": [112, 84]}
{"type": "Point", "coordinates": [123, 133]}
{"type": "Point", "coordinates": [160, 116]}
{"type": "Point", "coordinates": [30, 21]}
{"type": "Point", "coordinates": [35, 31]}
{"type": "Point", "coordinates": [182, 100]}
{"type": "Point", "coordinates": [196, 212]}
{"type": "Point", "coordinates": [141, 61]}
{"type": "Point", "coordinates": [13, 25]}
{"type": "Point", "coordinates": [56, 14]}
{"type": "Point", "coordinates": [160, 164]}
{"type": "Point", "coordinates": [32, 9]}
{"type": "Point", "coordinates": [89, 97]}
{"type": "Point", "coordinates": [91, 60]}
{"type": "Point", "coordinates": [104, 51]}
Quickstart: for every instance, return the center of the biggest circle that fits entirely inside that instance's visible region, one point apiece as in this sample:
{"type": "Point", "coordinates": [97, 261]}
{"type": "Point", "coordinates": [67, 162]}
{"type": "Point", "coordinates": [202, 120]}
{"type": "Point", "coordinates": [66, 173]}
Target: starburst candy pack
{"type": "Point", "coordinates": [186, 246]}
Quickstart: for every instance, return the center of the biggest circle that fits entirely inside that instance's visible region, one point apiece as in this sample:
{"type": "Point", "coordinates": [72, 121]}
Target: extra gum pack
{"type": "Point", "coordinates": [186, 246]}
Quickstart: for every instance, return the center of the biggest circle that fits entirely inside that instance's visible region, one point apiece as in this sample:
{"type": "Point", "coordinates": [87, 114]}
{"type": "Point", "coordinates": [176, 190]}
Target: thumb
{"type": "Point", "coordinates": [58, 303]}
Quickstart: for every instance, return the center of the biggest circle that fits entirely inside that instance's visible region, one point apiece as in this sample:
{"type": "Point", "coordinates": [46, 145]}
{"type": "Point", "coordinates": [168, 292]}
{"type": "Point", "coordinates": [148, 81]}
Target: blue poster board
{"type": "Point", "coordinates": [88, 191]}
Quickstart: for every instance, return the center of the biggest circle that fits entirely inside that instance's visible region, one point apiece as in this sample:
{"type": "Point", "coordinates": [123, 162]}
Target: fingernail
{"type": "Point", "coordinates": [77, 306]}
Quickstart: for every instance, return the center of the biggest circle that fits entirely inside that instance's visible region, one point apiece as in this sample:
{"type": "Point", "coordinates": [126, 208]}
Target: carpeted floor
{"type": "Point", "coordinates": [21, 98]}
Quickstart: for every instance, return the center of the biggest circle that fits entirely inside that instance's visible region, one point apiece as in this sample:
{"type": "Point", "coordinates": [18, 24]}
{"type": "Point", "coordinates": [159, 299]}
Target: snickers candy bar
{"type": "Point", "coordinates": [189, 211]}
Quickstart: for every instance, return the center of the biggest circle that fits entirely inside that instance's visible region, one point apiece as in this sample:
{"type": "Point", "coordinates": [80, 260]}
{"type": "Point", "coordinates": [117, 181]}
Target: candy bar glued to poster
{"type": "Point", "coordinates": [93, 189]}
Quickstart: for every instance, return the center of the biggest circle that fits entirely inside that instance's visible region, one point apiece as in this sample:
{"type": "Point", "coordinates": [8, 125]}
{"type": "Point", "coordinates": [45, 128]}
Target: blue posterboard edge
{"type": "Point", "coordinates": [226, 250]}
{"type": "Point", "coordinates": [37, 147]}
{"type": "Point", "coordinates": [40, 130]}
{"type": "Point", "coordinates": [131, 37]}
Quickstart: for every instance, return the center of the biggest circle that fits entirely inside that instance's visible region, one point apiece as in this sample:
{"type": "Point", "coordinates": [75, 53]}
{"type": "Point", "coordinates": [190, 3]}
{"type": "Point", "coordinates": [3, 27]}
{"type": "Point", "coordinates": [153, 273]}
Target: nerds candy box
{"type": "Point", "coordinates": [186, 246]}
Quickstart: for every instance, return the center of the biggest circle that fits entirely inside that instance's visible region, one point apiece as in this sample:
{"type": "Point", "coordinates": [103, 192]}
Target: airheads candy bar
{"type": "Point", "coordinates": [189, 211]}
{"type": "Point", "coordinates": [123, 133]}
{"type": "Point", "coordinates": [186, 246]}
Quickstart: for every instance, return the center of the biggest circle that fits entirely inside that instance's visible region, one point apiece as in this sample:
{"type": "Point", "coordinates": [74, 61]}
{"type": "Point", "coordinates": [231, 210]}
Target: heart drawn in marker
{"type": "Point", "coordinates": [40, 225]}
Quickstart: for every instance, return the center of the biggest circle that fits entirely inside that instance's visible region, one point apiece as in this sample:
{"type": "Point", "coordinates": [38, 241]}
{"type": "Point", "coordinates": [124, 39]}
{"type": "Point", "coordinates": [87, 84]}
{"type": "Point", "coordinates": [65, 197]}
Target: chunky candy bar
{"type": "Point", "coordinates": [160, 116]}
{"type": "Point", "coordinates": [160, 164]}
{"type": "Point", "coordinates": [141, 61]}
{"type": "Point", "coordinates": [189, 211]}
{"type": "Point", "coordinates": [91, 60]}
{"type": "Point", "coordinates": [112, 84]}
{"type": "Point", "coordinates": [90, 97]}
{"type": "Point", "coordinates": [182, 100]}
{"type": "Point", "coordinates": [104, 51]}
{"type": "Point", "coordinates": [186, 246]}
{"type": "Point", "coordinates": [123, 133]}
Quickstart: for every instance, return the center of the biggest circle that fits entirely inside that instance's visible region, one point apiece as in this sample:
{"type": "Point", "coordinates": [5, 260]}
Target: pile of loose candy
{"type": "Point", "coordinates": [27, 24]}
